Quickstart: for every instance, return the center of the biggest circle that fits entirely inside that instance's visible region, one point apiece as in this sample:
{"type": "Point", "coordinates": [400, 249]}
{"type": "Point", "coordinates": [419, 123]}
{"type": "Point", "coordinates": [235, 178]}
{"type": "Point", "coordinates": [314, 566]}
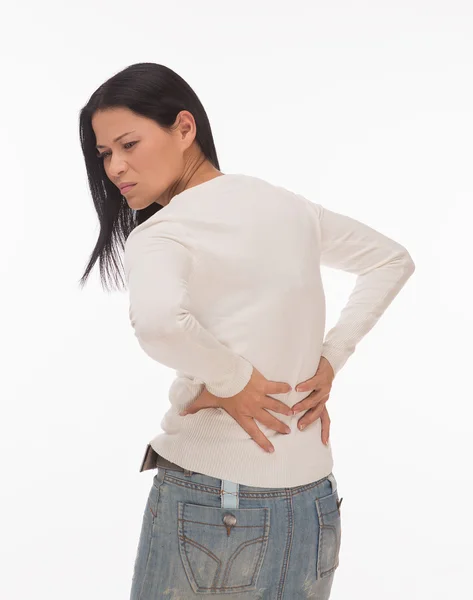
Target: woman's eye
{"type": "Point", "coordinates": [104, 154]}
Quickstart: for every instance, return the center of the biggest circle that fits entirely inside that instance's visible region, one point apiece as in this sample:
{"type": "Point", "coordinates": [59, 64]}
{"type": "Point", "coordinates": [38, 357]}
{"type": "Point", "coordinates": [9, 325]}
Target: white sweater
{"type": "Point", "coordinates": [227, 277]}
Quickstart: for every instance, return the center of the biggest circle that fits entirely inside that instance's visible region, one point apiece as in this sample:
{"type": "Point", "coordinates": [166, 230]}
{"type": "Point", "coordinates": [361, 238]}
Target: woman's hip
{"type": "Point", "coordinates": [206, 536]}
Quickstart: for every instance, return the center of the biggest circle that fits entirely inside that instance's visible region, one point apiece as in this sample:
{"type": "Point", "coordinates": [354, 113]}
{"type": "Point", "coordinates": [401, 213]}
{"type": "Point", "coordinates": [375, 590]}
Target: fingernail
{"type": "Point", "coordinates": [299, 388]}
{"type": "Point", "coordinates": [301, 427]}
{"type": "Point", "coordinates": [271, 449]}
{"type": "Point", "coordinates": [184, 412]}
{"type": "Point", "coordinates": [326, 443]}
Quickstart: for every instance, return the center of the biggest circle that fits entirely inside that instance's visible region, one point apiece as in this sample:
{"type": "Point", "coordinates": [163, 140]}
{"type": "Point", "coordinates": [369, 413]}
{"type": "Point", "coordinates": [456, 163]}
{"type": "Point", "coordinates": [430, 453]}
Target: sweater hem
{"type": "Point", "coordinates": [240, 467]}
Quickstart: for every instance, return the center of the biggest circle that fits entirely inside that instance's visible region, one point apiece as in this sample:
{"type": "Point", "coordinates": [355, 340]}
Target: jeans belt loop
{"type": "Point", "coordinates": [333, 482]}
{"type": "Point", "coordinates": [229, 494]}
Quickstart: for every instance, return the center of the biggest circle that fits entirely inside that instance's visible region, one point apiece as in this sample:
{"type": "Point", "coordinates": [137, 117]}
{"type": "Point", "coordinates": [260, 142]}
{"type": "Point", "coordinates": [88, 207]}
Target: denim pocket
{"type": "Point", "coordinates": [330, 532]}
{"type": "Point", "coordinates": [222, 549]}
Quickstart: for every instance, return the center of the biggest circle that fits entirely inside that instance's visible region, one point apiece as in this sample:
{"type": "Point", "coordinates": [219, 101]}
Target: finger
{"type": "Point", "coordinates": [276, 405]}
{"type": "Point", "coordinates": [308, 384]}
{"type": "Point", "coordinates": [276, 387]}
{"type": "Point", "coordinates": [312, 400]}
{"type": "Point", "coordinates": [325, 420]}
{"type": "Point", "coordinates": [272, 422]}
{"type": "Point", "coordinates": [204, 400]}
{"type": "Point", "coordinates": [307, 403]}
{"type": "Point", "coordinates": [310, 416]}
{"type": "Point", "coordinates": [192, 408]}
{"type": "Point", "coordinates": [249, 425]}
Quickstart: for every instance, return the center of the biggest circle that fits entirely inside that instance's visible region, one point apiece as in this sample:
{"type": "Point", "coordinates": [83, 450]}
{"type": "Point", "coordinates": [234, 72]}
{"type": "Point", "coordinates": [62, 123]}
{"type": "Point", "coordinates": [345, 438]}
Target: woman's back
{"type": "Point", "coordinates": [227, 277]}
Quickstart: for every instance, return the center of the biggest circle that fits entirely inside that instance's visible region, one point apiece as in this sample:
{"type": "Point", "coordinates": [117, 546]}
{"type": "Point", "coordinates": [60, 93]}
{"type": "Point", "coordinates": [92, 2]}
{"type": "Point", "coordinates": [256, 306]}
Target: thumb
{"type": "Point", "coordinates": [203, 400]}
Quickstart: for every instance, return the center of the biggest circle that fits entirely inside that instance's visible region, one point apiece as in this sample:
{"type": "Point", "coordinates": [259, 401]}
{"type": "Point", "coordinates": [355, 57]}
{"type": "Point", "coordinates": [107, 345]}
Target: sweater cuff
{"type": "Point", "coordinates": [234, 382]}
{"type": "Point", "coordinates": [335, 356]}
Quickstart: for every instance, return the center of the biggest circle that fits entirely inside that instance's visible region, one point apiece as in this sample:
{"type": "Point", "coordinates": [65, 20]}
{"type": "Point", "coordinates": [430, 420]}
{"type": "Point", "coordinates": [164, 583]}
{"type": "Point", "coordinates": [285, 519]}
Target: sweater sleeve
{"type": "Point", "coordinates": [382, 266]}
{"type": "Point", "coordinates": [158, 264]}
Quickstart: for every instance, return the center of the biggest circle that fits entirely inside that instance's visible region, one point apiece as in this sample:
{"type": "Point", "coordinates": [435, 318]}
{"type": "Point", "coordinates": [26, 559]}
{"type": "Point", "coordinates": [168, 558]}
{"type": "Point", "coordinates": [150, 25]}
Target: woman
{"type": "Point", "coordinates": [223, 272]}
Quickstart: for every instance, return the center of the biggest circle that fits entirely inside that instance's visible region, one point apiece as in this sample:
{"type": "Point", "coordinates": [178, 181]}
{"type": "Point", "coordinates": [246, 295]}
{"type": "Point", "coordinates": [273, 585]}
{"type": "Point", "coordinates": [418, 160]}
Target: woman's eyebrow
{"type": "Point", "coordinates": [116, 139]}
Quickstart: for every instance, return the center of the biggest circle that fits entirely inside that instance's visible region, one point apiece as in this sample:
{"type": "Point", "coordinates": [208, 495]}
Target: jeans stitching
{"type": "Point", "coordinates": [217, 491]}
{"type": "Point", "coordinates": [323, 528]}
{"type": "Point", "coordinates": [262, 540]}
{"type": "Point", "coordinates": [150, 539]}
{"type": "Point", "coordinates": [287, 551]}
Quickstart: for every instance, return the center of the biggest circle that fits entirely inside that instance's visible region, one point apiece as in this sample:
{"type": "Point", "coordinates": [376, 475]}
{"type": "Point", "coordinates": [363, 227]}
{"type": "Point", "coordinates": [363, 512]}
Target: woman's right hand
{"type": "Point", "coordinates": [250, 404]}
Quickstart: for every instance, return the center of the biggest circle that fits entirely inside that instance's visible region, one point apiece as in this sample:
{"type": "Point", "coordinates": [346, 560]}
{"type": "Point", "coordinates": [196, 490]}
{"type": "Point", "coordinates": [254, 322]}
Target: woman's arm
{"type": "Point", "coordinates": [382, 266]}
{"type": "Point", "coordinates": [157, 268]}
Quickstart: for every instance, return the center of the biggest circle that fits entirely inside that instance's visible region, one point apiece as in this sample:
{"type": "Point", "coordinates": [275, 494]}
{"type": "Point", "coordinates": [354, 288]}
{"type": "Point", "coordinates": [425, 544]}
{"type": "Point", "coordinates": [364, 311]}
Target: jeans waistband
{"type": "Point", "coordinates": [229, 489]}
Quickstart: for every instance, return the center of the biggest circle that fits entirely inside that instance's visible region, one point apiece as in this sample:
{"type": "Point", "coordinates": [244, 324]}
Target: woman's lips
{"type": "Point", "coordinates": [125, 189]}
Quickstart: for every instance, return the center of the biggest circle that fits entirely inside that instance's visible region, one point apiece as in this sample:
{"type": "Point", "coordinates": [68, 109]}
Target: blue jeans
{"type": "Point", "coordinates": [207, 537]}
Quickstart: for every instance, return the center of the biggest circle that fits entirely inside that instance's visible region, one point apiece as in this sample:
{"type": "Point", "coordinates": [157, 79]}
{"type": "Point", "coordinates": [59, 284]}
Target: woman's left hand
{"type": "Point", "coordinates": [315, 402]}
{"type": "Point", "coordinates": [321, 383]}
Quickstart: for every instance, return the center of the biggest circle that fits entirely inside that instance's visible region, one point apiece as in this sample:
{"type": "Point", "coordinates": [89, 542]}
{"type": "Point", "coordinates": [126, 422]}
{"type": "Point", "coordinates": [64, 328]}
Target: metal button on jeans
{"type": "Point", "coordinates": [229, 521]}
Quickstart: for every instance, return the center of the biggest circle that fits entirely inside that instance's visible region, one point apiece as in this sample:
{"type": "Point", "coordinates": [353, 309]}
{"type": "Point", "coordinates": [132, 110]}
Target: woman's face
{"type": "Point", "coordinates": [149, 156]}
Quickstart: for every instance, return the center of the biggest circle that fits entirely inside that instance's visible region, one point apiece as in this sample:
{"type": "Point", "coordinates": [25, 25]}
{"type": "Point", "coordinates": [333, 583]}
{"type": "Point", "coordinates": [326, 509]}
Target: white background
{"type": "Point", "coordinates": [365, 107]}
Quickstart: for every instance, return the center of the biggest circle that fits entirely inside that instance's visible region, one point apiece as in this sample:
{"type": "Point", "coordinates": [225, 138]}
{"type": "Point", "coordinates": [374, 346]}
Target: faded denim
{"type": "Point", "coordinates": [255, 544]}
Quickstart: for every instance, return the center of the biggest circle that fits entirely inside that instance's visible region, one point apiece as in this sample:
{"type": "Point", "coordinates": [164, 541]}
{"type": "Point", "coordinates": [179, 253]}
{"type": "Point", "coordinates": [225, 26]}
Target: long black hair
{"type": "Point", "coordinates": [153, 91]}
